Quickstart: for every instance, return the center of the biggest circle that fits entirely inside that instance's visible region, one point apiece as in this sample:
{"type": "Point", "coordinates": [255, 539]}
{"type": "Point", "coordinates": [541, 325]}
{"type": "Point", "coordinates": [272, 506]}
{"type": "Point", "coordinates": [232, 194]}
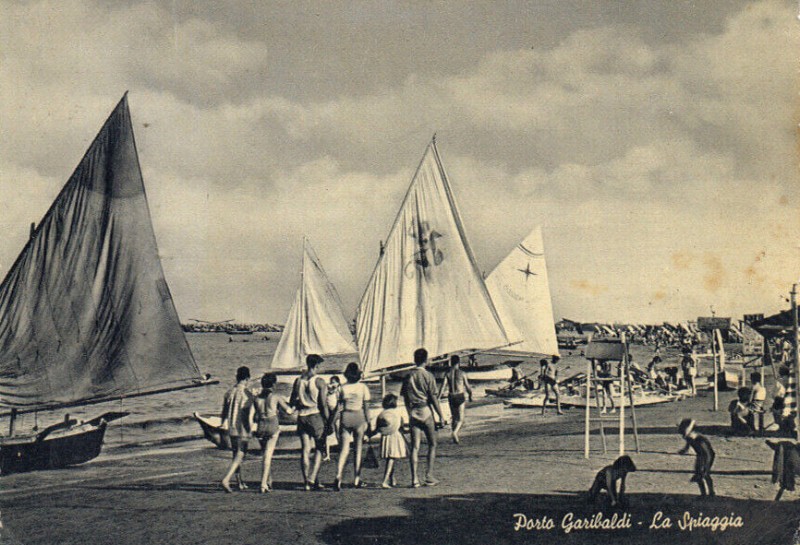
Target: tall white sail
{"type": "Point", "coordinates": [521, 294]}
{"type": "Point", "coordinates": [316, 322]}
{"type": "Point", "coordinates": [426, 290]}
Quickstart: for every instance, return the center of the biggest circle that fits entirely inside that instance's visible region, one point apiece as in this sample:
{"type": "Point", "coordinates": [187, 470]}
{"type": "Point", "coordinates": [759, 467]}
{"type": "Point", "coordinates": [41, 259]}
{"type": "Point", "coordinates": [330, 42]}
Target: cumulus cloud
{"type": "Point", "coordinates": [664, 173]}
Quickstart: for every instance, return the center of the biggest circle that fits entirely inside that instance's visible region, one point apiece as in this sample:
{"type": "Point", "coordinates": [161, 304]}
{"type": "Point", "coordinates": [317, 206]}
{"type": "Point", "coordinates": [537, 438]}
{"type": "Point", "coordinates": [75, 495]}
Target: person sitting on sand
{"type": "Point", "coordinates": [458, 389]}
{"type": "Point", "coordinates": [393, 444]}
{"type": "Point", "coordinates": [267, 427]}
{"type": "Point", "coordinates": [740, 414]}
{"type": "Point", "coordinates": [703, 451]}
{"type": "Point", "coordinates": [236, 418]}
{"type": "Point", "coordinates": [549, 379]}
{"type": "Point", "coordinates": [419, 393]}
{"type": "Point", "coordinates": [308, 397]}
{"type": "Point", "coordinates": [353, 407]}
{"type": "Point", "coordinates": [607, 478]}
{"type": "Point", "coordinates": [516, 378]}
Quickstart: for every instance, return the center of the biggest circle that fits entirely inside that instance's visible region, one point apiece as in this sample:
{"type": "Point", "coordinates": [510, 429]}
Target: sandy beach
{"type": "Point", "coordinates": [525, 464]}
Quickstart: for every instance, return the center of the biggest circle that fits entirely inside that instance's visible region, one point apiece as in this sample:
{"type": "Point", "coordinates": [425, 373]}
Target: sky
{"type": "Point", "coordinates": [655, 142]}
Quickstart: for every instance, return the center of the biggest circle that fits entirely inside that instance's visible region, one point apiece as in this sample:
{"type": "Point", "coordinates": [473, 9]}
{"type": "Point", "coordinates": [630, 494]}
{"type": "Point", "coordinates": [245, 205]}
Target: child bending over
{"type": "Point", "coordinates": [606, 479]}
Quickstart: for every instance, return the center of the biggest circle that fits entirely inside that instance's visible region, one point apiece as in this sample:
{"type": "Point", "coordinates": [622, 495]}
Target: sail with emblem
{"type": "Point", "coordinates": [316, 322]}
{"type": "Point", "coordinates": [521, 293]}
{"type": "Point", "coordinates": [85, 311]}
{"type": "Point", "coordinates": [426, 290]}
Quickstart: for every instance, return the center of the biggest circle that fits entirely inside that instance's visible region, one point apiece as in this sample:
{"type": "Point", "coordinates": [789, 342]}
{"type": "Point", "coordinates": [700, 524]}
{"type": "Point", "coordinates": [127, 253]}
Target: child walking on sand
{"type": "Point", "coordinates": [393, 444]}
{"type": "Point", "coordinates": [705, 456]}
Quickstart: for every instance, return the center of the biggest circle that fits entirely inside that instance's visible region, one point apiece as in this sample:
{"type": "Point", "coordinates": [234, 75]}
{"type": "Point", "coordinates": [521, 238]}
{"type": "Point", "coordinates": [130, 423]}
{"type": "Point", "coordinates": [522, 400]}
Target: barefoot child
{"type": "Point", "coordinates": [393, 444]}
{"type": "Point", "coordinates": [332, 399]}
{"type": "Point", "coordinates": [606, 479]}
{"type": "Point", "coordinates": [705, 456]}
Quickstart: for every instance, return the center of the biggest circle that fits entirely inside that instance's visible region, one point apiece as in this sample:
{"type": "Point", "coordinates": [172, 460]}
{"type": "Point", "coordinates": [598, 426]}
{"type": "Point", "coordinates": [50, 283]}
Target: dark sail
{"type": "Point", "coordinates": [85, 311]}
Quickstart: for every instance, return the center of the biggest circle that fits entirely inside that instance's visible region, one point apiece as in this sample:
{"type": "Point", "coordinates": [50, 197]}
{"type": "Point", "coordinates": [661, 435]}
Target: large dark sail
{"type": "Point", "coordinates": [85, 311]}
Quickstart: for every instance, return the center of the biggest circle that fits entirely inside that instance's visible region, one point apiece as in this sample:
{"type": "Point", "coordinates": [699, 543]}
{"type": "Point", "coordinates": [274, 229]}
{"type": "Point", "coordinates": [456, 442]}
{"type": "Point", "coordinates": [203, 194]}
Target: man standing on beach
{"type": "Point", "coordinates": [309, 398]}
{"type": "Point", "coordinates": [420, 395]}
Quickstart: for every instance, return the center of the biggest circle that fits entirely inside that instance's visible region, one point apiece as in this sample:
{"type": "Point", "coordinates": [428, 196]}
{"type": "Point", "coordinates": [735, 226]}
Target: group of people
{"type": "Point", "coordinates": [747, 410]}
{"type": "Point", "coordinates": [326, 408]}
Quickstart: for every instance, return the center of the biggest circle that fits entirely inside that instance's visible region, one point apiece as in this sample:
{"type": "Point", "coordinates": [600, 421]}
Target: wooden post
{"type": "Point", "coordinates": [383, 386]}
{"type": "Point", "coordinates": [621, 407]}
{"type": "Point", "coordinates": [11, 422]}
{"type": "Point", "coordinates": [796, 344]}
{"type": "Point", "coordinates": [587, 428]}
{"type": "Point", "coordinates": [716, 374]}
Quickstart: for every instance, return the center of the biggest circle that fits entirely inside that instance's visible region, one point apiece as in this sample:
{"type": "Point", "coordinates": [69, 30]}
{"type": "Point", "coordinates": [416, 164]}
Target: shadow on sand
{"type": "Point", "coordinates": [490, 518]}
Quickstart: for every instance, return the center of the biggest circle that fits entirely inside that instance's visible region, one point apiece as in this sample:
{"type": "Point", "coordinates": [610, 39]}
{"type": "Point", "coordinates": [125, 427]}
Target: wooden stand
{"type": "Point", "coordinates": [609, 351]}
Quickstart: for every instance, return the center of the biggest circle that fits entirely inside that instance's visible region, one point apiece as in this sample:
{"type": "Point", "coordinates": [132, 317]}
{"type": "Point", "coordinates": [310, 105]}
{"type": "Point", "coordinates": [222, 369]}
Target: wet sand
{"type": "Point", "coordinates": [521, 463]}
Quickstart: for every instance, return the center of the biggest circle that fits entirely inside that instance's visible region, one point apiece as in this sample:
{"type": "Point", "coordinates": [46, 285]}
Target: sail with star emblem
{"type": "Point", "coordinates": [426, 290]}
{"type": "Point", "coordinates": [521, 294]}
{"type": "Point", "coordinates": [316, 322]}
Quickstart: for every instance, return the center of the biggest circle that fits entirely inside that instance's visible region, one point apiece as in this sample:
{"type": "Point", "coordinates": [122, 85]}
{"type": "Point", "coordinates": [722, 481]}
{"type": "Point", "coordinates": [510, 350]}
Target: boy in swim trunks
{"type": "Point", "coordinates": [420, 395]}
{"type": "Point", "coordinates": [309, 395]}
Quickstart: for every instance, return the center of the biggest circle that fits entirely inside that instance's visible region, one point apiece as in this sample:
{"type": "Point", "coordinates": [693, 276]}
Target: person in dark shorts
{"type": "Point", "coordinates": [606, 479]}
{"type": "Point", "coordinates": [236, 418]}
{"type": "Point", "coordinates": [309, 394]}
{"type": "Point", "coordinates": [420, 396]}
{"type": "Point", "coordinates": [705, 456]}
{"type": "Point", "coordinates": [549, 378]}
{"type": "Point", "coordinates": [458, 389]}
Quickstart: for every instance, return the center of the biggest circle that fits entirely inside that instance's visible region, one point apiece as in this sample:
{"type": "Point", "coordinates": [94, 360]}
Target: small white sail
{"type": "Point", "coordinates": [316, 322]}
{"type": "Point", "coordinates": [521, 294]}
{"type": "Point", "coordinates": [426, 290]}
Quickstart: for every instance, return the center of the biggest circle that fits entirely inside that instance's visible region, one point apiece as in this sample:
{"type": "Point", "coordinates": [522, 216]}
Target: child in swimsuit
{"type": "Point", "coordinates": [332, 401]}
{"type": "Point", "coordinates": [705, 456]}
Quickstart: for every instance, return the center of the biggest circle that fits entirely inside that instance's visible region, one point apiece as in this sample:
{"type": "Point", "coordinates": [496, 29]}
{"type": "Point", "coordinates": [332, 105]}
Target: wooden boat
{"type": "Point", "coordinates": [86, 315]}
{"type": "Point", "coordinates": [640, 400]}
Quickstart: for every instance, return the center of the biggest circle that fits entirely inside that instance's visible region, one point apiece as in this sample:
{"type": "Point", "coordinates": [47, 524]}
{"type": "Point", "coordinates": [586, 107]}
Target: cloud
{"type": "Point", "coordinates": [629, 150]}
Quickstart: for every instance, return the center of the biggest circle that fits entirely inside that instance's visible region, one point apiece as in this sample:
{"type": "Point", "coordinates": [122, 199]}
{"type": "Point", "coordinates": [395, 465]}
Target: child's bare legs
{"type": "Point", "coordinates": [710, 486]}
{"type": "Point", "coordinates": [344, 452]}
{"type": "Point", "coordinates": [546, 396]}
{"type": "Point", "coordinates": [269, 449]}
{"type": "Point", "coordinates": [388, 474]}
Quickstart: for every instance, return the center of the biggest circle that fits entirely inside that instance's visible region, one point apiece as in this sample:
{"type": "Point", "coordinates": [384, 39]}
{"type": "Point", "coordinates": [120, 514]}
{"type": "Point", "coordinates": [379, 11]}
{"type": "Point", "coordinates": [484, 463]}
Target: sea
{"type": "Point", "coordinates": [165, 419]}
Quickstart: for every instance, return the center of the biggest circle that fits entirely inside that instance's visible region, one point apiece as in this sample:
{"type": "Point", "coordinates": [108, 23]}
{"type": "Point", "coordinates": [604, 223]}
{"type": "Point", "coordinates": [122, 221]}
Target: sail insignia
{"type": "Point", "coordinates": [523, 300]}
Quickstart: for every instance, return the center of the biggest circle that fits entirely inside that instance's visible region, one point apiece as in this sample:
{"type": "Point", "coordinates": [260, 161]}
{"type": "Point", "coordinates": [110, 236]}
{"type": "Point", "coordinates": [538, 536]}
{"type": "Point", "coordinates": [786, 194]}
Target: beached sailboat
{"type": "Point", "coordinates": [316, 323]}
{"type": "Point", "coordinates": [521, 294]}
{"type": "Point", "coordinates": [86, 315]}
{"type": "Point", "coordinates": [426, 290]}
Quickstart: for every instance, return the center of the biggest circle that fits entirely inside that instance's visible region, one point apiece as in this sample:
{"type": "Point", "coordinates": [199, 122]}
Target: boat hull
{"type": "Point", "coordinates": [536, 401]}
{"type": "Point", "coordinates": [66, 448]}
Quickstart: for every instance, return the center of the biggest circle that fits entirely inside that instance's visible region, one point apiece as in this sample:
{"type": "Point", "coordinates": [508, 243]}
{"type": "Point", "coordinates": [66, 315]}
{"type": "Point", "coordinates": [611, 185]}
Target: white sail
{"type": "Point", "coordinates": [316, 322]}
{"type": "Point", "coordinates": [426, 290]}
{"type": "Point", "coordinates": [521, 294]}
